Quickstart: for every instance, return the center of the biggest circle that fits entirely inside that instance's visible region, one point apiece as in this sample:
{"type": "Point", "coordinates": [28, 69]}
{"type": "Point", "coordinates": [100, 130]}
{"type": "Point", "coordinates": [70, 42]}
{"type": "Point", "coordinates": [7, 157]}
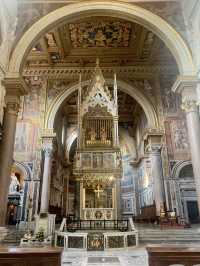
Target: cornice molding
{"type": "Point", "coordinates": [183, 82]}
{"type": "Point", "coordinates": [15, 86]}
{"type": "Point", "coordinates": [63, 72]}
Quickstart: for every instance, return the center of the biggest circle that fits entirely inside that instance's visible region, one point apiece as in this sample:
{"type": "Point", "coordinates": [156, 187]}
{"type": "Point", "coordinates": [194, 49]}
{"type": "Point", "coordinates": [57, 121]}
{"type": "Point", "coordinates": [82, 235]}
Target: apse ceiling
{"type": "Point", "coordinates": [116, 42]}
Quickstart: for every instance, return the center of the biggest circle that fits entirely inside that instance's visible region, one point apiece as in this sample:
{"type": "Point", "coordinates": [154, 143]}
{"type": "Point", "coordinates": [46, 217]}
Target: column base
{"type": "Point", "coordinates": [45, 222]}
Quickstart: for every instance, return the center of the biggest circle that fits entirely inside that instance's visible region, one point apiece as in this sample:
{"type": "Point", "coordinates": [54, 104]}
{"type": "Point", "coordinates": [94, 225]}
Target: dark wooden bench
{"type": "Point", "coordinates": [30, 256]}
{"type": "Point", "coordinates": [148, 215]}
{"type": "Point", "coordinates": [171, 255]}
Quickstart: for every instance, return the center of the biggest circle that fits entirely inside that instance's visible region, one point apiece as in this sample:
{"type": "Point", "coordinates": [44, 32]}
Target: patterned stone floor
{"type": "Point", "coordinates": [124, 257]}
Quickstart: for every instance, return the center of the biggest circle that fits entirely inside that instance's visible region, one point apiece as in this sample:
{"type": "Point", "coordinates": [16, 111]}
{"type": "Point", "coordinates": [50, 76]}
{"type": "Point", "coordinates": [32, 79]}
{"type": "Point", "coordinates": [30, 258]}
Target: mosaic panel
{"type": "Point", "coordinates": [116, 241]}
{"type": "Point", "coordinates": [131, 240]}
{"type": "Point", "coordinates": [95, 241]}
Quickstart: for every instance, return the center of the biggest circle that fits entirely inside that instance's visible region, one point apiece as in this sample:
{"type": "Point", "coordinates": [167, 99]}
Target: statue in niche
{"type": "Point", "coordinates": [14, 184]}
{"type": "Point", "coordinates": [103, 135]}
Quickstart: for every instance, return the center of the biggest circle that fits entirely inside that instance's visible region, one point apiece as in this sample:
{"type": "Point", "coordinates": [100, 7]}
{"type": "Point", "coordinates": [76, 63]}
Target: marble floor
{"type": "Point", "coordinates": [125, 257]}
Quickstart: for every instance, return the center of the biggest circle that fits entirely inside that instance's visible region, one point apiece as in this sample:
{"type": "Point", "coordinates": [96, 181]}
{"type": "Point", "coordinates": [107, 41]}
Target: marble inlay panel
{"type": "Point", "coordinates": [122, 257]}
{"type": "Point", "coordinates": [103, 260]}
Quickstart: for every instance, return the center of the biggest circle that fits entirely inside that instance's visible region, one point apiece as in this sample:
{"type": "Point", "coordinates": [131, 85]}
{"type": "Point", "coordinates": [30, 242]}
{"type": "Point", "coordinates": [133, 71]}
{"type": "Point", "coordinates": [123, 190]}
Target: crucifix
{"type": "Point", "coordinates": [98, 190]}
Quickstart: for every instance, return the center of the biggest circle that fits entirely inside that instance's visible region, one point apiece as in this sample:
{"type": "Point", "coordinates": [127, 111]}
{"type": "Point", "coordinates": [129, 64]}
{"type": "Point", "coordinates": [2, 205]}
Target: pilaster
{"type": "Point", "coordinates": [153, 147]}
{"type": "Point", "coordinates": [187, 87]}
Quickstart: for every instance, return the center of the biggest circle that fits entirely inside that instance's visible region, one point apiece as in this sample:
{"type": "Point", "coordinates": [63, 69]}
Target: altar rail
{"type": "Point", "coordinates": [173, 255]}
{"type": "Point", "coordinates": [96, 240]}
{"type": "Point", "coordinates": [121, 225]}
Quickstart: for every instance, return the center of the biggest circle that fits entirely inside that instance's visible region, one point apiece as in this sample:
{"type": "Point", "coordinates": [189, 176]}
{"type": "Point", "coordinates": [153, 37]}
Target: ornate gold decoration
{"type": "Point", "coordinates": [100, 34]}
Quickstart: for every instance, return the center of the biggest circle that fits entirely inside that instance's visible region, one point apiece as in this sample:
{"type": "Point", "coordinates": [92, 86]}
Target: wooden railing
{"type": "Point", "coordinates": [173, 255]}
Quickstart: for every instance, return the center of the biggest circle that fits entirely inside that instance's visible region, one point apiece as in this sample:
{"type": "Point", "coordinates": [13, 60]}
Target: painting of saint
{"type": "Point", "coordinates": [25, 140]}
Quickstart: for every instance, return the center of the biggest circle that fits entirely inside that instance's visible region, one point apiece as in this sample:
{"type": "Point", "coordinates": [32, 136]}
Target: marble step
{"type": "Point", "coordinates": [169, 236]}
{"type": "Point", "coordinates": [13, 237]}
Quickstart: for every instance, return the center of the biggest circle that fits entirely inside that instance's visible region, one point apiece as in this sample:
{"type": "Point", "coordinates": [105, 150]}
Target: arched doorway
{"type": "Point", "coordinates": [185, 191]}
{"type": "Point", "coordinates": [18, 193]}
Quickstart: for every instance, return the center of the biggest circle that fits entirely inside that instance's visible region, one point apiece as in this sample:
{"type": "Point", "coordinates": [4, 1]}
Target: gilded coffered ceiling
{"type": "Point", "coordinates": [116, 42]}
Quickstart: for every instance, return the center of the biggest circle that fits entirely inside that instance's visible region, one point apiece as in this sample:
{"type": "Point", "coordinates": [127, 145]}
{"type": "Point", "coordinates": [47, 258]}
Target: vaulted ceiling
{"type": "Point", "coordinates": [116, 42]}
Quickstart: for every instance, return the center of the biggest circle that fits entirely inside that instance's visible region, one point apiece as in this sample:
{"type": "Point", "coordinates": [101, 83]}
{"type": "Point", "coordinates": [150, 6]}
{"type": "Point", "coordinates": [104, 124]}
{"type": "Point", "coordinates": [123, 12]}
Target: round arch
{"type": "Point", "coordinates": [123, 86]}
{"type": "Point", "coordinates": [23, 170]}
{"type": "Point", "coordinates": [178, 167]}
{"type": "Point", "coordinates": [130, 12]}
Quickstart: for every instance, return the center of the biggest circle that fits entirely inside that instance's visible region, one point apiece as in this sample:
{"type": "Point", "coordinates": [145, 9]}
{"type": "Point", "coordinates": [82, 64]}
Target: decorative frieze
{"type": "Point", "coordinates": [66, 72]}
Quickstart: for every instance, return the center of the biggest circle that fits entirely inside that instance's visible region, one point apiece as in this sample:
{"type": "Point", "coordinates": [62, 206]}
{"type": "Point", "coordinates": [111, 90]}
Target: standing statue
{"type": "Point", "coordinates": [14, 184]}
{"type": "Point", "coordinates": [92, 135]}
{"type": "Point", "coordinates": [103, 135]}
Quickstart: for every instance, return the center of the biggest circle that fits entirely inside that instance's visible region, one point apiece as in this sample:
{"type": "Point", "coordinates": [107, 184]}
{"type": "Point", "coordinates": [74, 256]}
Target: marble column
{"type": "Point", "coordinates": [6, 153]}
{"type": "Point", "coordinates": [157, 173]}
{"type": "Point", "coordinates": [193, 126]}
{"type": "Point", "coordinates": [81, 199]}
{"type": "Point", "coordinates": [118, 199]}
{"type": "Point", "coordinates": [116, 134]}
{"type": "Point", "coordinates": [46, 178]}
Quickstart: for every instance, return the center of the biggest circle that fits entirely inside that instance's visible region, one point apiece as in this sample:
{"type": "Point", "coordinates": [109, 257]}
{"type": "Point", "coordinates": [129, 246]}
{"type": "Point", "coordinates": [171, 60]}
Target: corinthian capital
{"type": "Point", "coordinates": [47, 147]}
{"type": "Point", "coordinates": [12, 104]}
{"type": "Point", "coordinates": [47, 141]}
{"type": "Point", "coordinates": [154, 148]}
{"type": "Point", "coordinates": [189, 105]}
